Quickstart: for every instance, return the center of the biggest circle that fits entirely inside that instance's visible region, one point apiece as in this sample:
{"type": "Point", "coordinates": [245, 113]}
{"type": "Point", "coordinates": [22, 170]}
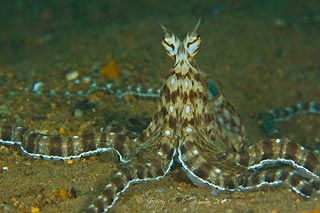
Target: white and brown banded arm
{"type": "Point", "coordinates": [60, 147]}
{"type": "Point", "coordinates": [224, 124]}
{"type": "Point", "coordinates": [275, 152]}
{"type": "Point", "coordinates": [203, 167]}
{"type": "Point", "coordinates": [254, 180]}
{"type": "Point", "coordinates": [204, 171]}
{"type": "Point", "coordinates": [129, 174]}
{"type": "Point", "coordinates": [286, 113]}
{"type": "Point", "coordinates": [142, 168]}
{"type": "Point", "coordinates": [268, 120]}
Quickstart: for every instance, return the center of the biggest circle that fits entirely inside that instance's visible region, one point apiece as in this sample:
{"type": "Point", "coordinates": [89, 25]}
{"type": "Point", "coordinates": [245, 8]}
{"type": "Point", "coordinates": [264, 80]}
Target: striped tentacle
{"type": "Point", "coordinates": [286, 113]}
{"type": "Point", "coordinates": [203, 167]}
{"type": "Point", "coordinates": [142, 167]}
{"type": "Point", "coordinates": [59, 147]}
{"type": "Point", "coordinates": [203, 172]}
{"type": "Point", "coordinates": [272, 177]}
{"type": "Point", "coordinates": [133, 172]}
{"type": "Point", "coordinates": [139, 91]}
{"type": "Point", "coordinates": [275, 152]}
{"type": "Point", "coordinates": [268, 119]}
{"type": "Point", "coordinates": [224, 125]}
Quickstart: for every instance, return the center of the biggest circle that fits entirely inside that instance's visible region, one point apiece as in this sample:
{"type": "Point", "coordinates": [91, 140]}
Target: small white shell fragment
{"type": "Point", "coordinates": [37, 86]}
{"type": "Point", "coordinates": [72, 75]}
{"type": "Point", "coordinates": [86, 79]}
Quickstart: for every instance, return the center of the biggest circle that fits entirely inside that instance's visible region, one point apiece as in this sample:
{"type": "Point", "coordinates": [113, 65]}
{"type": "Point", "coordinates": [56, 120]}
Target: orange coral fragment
{"type": "Point", "coordinates": [35, 209]}
{"type": "Point", "coordinates": [63, 194]}
{"type": "Point", "coordinates": [70, 162]}
{"type": "Point", "coordinates": [62, 130]}
{"type": "Point", "coordinates": [110, 70]}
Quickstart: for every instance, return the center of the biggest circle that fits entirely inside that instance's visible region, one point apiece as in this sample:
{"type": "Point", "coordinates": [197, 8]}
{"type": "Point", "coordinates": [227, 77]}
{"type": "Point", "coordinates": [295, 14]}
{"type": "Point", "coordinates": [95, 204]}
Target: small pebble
{"type": "Point", "coordinates": [72, 75]}
{"type": "Point", "coordinates": [280, 22]}
{"type": "Point", "coordinates": [77, 81]}
{"type": "Point", "coordinates": [86, 79]}
{"type": "Point", "coordinates": [224, 201]}
{"type": "Point", "coordinates": [78, 113]}
{"type": "Point", "coordinates": [159, 190]}
{"type": "Point", "coordinates": [214, 193]}
{"type": "Point", "coordinates": [37, 86]}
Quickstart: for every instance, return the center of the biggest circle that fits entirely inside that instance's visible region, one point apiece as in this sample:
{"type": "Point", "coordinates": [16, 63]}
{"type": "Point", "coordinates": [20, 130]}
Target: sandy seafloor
{"type": "Point", "coordinates": [264, 53]}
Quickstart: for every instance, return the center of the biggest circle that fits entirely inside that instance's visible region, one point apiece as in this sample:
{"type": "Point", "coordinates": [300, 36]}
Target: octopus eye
{"type": "Point", "coordinates": [171, 44]}
{"type": "Point", "coordinates": [192, 39]}
{"type": "Point", "coordinates": [192, 43]}
{"type": "Point", "coordinates": [168, 41]}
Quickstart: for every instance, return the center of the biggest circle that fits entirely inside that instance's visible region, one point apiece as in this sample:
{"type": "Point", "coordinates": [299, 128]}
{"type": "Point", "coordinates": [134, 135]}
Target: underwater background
{"type": "Point", "coordinates": [265, 53]}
